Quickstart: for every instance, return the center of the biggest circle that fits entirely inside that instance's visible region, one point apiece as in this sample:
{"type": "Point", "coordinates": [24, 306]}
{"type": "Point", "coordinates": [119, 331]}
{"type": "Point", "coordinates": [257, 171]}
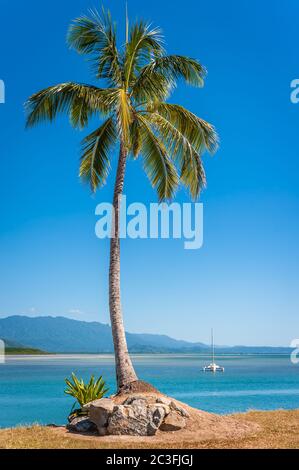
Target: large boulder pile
{"type": "Point", "coordinates": [136, 415]}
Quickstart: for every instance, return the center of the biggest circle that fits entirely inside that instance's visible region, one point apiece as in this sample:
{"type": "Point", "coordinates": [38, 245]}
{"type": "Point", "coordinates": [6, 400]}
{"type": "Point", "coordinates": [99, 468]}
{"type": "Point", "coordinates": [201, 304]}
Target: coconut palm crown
{"type": "Point", "coordinates": [133, 112]}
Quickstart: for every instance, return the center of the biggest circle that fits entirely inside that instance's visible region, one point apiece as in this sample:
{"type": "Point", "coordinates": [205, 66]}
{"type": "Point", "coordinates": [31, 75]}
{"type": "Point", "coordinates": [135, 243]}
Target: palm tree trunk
{"type": "Point", "coordinates": [125, 373]}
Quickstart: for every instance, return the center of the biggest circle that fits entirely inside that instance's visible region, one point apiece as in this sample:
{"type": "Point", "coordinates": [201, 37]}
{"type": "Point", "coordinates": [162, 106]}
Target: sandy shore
{"type": "Point", "coordinates": [267, 429]}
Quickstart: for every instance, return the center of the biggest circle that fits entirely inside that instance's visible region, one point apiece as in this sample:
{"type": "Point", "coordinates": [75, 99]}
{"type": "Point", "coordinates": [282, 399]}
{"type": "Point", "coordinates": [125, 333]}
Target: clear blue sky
{"type": "Point", "coordinates": [244, 281]}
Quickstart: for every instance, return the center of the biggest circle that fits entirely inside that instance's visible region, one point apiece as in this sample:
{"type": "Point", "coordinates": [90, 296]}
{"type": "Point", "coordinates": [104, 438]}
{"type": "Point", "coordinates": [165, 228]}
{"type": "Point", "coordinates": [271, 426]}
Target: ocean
{"type": "Point", "coordinates": [31, 387]}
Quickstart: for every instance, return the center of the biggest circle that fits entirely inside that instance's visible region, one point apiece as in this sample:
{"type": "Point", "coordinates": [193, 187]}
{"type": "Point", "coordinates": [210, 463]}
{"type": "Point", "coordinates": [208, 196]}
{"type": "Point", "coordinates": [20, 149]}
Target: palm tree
{"type": "Point", "coordinates": [133, 112]}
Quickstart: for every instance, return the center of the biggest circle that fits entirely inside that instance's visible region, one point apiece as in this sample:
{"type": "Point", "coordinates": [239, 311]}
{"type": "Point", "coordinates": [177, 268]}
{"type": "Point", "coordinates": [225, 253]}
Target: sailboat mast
{"type": "Point", "coordinates": [127, 24]}
{"type": "Point", "coordinates": [212, 336]}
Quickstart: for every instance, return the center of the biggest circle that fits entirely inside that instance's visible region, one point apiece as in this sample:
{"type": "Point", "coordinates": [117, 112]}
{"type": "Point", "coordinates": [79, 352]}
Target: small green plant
{"type": "Point", "coordinates": [84, 392]}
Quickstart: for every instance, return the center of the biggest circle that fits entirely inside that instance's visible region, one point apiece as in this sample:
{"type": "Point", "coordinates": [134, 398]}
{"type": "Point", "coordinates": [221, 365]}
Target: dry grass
{"type": "Point", "coordinates": [278, 429]}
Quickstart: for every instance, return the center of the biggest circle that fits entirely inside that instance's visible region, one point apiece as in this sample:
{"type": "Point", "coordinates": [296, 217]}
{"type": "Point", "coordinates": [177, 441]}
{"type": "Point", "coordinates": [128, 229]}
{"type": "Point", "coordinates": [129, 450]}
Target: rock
{"type": "Point", "coordinates": [138, 407]}
{"type": "Point", "coordinates": [87, 406]}
{"type": "Point", "coordinates": [134, 398]}
{"type": "Point", "coordinates": [136, 419]}
{"type": "Point", "coordinates": [126, 419]}
{"type": "Point", "coordinates": [117, 422]}
{"type": "Point", "coordinates": [100, 402]}
{"type": "Point", "coordinates": [156, 414]}
{"type": "Point", "coordinates": [174, 406]}
{"type": "Point", "coordinates": [81, 424]}
{"type": "Point", "coordinates": [165, 407]}
{"type": "Point", "coordinates": [99, 412]}
{"type": "Point", "coordinates": [138, 415]}
{"type": "Point", "coordinates": [164, 400]}
{"type": "Point", "coordinates": [173, 422]}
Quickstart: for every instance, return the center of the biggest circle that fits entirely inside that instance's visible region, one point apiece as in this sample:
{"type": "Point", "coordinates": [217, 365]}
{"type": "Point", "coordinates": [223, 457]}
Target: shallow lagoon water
{"type": "Point", "coordinates": [31, 387]}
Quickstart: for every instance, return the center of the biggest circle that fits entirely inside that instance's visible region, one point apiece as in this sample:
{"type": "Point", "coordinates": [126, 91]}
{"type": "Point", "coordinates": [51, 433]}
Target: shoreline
{"type": "Point", "coordinates": [48, 355]}
{"type": "Point", "coordinates": [278, 429]}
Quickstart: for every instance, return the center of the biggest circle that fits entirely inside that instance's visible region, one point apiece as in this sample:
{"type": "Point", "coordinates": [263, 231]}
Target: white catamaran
{"type": "Point", "coordinates": [213, 367]}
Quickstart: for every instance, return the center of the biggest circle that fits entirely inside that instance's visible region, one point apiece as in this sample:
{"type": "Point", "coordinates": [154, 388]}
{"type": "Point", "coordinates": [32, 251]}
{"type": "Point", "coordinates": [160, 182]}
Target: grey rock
{"type": "Point", "coordinates": [100, 402]}
{"type": "Point", "coordinates": [174, 406]}
{"type": "Point", "coordinates": [124, 421]}
{"type": "Point", "coordinates": [138, 415]}
{"type": "Point", "coordinates": [137, 419]}
{"type": "Point", "coordinates": [166, 408]}
{"type": "Point", "coordinates": [164, 400]}
{"type": "Point", "coordinates": [81, 424]}
{"type": "Point", "coordinates": [156, 414]}
{"type": "Point", "coordinates": [173, 422]}
{"type": "Point", "coordinates": [99, 412]}
{"type": "Point", "coordinates": [135, 398]}
{"type": "Point", "coordinates": [86, 407]}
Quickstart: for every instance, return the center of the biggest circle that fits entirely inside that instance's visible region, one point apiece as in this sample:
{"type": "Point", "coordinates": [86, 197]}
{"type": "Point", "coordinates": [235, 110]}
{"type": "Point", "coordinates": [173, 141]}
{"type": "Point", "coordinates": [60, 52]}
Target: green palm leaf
{"type": "Point", "coordinates": [192, 174]}
{"type": "Point", "coordinates": [157, 164]}
{"type": "Point", "coordinates": [201, 135]}
{"type": "Point", "coordinates": [78, 100]}
{"type": "Point", "coordinates": [95, 35]}
{"type": "Point", "coordinates": [176, 66]}
{"type": "Point", "coordinates": [144, 44]}
{"type": "Point", "coordinates": [159, 77]}
{"type": "Point", "coordinates": [95, 162]}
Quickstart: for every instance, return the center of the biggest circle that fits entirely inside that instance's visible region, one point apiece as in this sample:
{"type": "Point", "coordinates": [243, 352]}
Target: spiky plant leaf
{"type": "Point", "coordinates": [85, 392]}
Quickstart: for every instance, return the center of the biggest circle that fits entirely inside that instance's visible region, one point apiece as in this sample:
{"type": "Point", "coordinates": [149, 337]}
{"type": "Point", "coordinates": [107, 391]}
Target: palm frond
{"type": "Point", "coordinates": [95, 162]}
{"type": "Point", "coordinates": [78, 100]}
{"type": "Point", "coordinates": [124, 116]}
{"type": "Point", "coordinates": [95, 35]}
{"type": "Point", "coordinates": [135, 138]}
{"type": "Point", "coordinates": [201, 134]}
{"type": "Point", "coordinates": [192, 173]}
{"type": "Point", "coordinates": [158, 166]}
{"type": "Point", "coordinates": [177, 66]}
{"type": "Point", "coordinates": [144, 45]}
{"type": "Point", "coordinates": [159, 77]}
{"type": "Point", "coordinates": [151, 86]}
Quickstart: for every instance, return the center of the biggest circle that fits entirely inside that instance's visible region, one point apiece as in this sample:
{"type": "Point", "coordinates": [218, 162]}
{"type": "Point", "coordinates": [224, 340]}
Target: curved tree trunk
{"type": "Point", "coordinates": [125, 373]}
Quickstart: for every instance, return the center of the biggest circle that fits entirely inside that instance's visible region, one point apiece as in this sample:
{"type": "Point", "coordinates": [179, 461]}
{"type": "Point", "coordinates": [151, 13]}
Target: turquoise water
{"type": "Point", "coordinates": [31, 388]}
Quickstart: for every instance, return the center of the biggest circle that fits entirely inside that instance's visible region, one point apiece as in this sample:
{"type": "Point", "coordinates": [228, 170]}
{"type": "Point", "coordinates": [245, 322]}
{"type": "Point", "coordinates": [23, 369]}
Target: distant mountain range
{"type": "Point", "coordinates": [63, 335]}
